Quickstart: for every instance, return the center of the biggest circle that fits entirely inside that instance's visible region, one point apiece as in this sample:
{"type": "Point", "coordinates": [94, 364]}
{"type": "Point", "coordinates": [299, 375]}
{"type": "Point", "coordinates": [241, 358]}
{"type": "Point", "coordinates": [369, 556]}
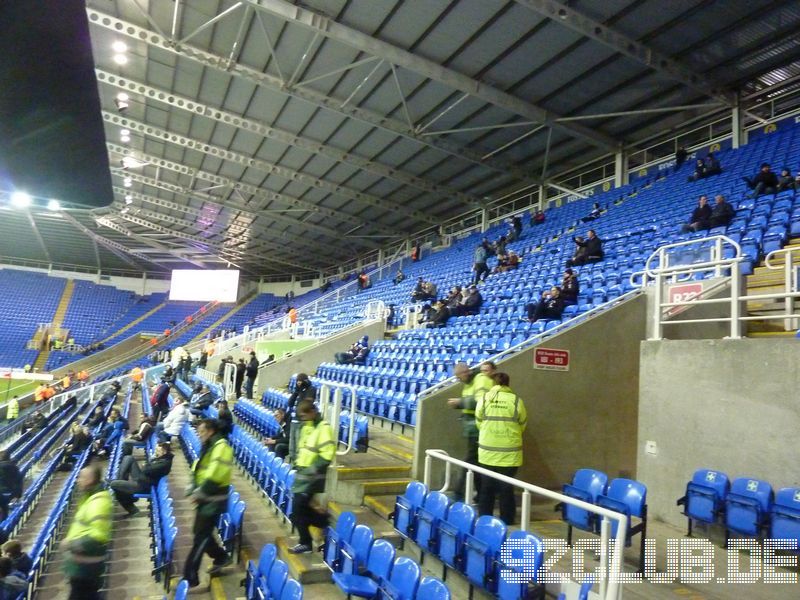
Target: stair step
{"type": "Point", "coordinates": [381, 504]}
{"type": "Point", "coordinates": [380, 525]}
{"type": "Point", "coordinates": [305, 568]}
{"type": "Point", "coordinates": [772, 334]}
{"type": "Point", "coordinates": [389, 486]}
{"type": "Point", "coordinates": [367, 472]}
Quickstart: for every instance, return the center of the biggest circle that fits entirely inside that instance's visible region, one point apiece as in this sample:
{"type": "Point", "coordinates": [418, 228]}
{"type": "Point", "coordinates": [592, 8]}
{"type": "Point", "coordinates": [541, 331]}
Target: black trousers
{"type": "Point", "coordinates": [304, 516]}
{"type": "Point", "coordinates": [85, 588]}
{"type": "Point", "coordinates": [481, 271]}
{"type": "Point", "coordinates": [204, 543]}
{"type": "Point", "coordinates": [492, 488]}
{"type": "Point", "coordinates": [472, 458]}
{"type": "Point", "coordinates": [128, 483]}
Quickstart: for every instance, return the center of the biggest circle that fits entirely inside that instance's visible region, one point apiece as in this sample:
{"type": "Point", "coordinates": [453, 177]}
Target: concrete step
{"type": "Point", "coordinates": [771, 334]}
{"type": "Point", "coordinates": [306, 568]}
{"type": "Point", "coordinates": [381, 504]}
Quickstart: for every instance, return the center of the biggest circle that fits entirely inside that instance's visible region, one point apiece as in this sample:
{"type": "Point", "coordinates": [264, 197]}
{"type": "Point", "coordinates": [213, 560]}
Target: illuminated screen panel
{"type": "Point", "coordinates": [204, 285]}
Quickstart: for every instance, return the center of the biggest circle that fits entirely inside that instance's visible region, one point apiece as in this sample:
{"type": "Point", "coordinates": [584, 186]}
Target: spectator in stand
{"type": "Point", "coordinates": [549, 307]}
{"type": "Point", "coordinates": [12, 582]}
{"type": "Point", "coordinates": [500, 417]}
{"type": "Point", "coordinates": [79, 440]}
{"type": "Point", "coordinates": [146, 427]}
{"type": "Point", "coordinates": [699, 170]}
{"type": "Point", "coordinates": [596, 212]}
{"type": "Point", "coordinates": [303, 389]}
{"type": "Point", "coordinates": [500, 245]}
{"type": "Point", "coordinates": [701, 216]}
{"type": "Point", "coordinates": [399, 276]}
{"type": "Point", "coordinates": [222, 364]}
{"type": "Point", "coordinates": [133, 479]}
{"type": "Point", "coordinates": [110, 433]}
{"type": "Point", "coordinates": [251, 372]}
{"type": "Point", "coordinates": [439, 317]}
{"type": "Point", "coordinates": [713, 166]}
{"type": "Point", "coordinates": [765, 182]}
{"type": "Point", "coordinates": [10, 482]}
{"type": "Point", "coordinates": [479, 259]}
{"type": "Point", "coordinates": [201, 399]}
{"type": "Point", "coordinates": [454, 298]}
{"type": "Point", "coordinates": [172, 424]}
{"type": "Point", "coordinates": [516, 225]}
{"type": "Point", "coordinates": [225, 418]}
{"type": "Point", "coordinates": [589, 250]}
{"type": "Point", "coordinates": [99, 416]}
{"type": "Point", "coordinates": [680, 157]}
{"type": "Point", "coordinates": [20, 561]}
{"type": "Point", "coordinates": [169, 375]}
{"type": "Point", "coordinates": [426, 312]}
{"type": "Point", "coordinates": [38, 421]}
{"type": "Point", "coordinates": [416, 253]}
{"type": "Point", "coordinates": [538, 218]}
{"type": "Point", "coordinates": [786, 181]}
{"type": "Point", "coordinates": [570, 287]}
{"type": "Point", "coordinates": [507, 262]}
{"type": "Point", "coordinates": [470, 303]}
{"type": "Point", "coordinates": [239, 378]}
{"type": "Point", "coordinates": [722, 214]}
{"type": "Point", "coordinates": [363, 281]}
{"type": "Point", "coordinates": [512, 234]}
{"type": "Point", "coordinates": [349, 357]}
{"type": "Point", "coordinates": [110, 393]}
{"type": "Point", "coordinates": [279, 443]}
{"type": "Point", "coordinates": [159, 400]}
{"type": "Point", "coordinates": [418, 289]}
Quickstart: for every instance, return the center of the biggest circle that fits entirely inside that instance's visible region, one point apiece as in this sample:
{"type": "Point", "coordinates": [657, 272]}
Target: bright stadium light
{"type": "Point", "coordinates": [54, 205]}
{"type": "Point", "coordinates": [128, 199]}
{"type": "Point", "coordinates": [119, 47]}
{"type": "Point", "coordinates": [127, 182]}
{"type": "Point", "coordinates": [120, 59]}
{"type": "Point", "coordinates": [21, 200]}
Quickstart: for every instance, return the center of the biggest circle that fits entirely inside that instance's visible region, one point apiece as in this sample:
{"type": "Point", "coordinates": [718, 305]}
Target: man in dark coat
{"type": "Point", "coordinates": [134, 479]}
{"type": "Point", "coordinates": [588, 250]}
{"type": "Point", "coordinates": [10, 482]}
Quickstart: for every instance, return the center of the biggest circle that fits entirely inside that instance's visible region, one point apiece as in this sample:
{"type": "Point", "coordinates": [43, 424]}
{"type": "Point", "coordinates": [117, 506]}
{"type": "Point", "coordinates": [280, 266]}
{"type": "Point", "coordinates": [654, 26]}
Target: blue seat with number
{"type": "Point", "coordinates": [705, 496]}
{"type": "Point", "coordinates": [452, 531]}
{"type": "Point", "coordinates": [747, 506]}
{"type": "Point", "coordinates": [785, 516]}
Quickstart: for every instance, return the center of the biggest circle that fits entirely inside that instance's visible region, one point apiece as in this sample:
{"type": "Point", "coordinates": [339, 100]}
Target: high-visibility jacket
{"type": "Point", "coordinates": [83, 375]}
{"type": "Point", "coordinates": [39, 394]}
{"type": "Point", "coordinates": [470, 394]}
{"type": "Point", "coordinates": [212, 474]}
{"type": "Point", "coordinates": [49, 393]}
{"type": "Point", "coordinates": [66, 382]}
{"type": "Point", "coordinates": [137, 374]}
{"type": "Point", "coordinates": [12, 410]}
{"type": "Point", "coordinates": [89, 534]}
{"type": "Point", "coordinates": [316, 447]}
{"type": "Point", "coordinates": [501, 418]}
{"type": "Point", "coordinates": [293, 316]}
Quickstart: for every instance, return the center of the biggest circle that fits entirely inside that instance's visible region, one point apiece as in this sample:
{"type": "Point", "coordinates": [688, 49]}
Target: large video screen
{"type": "Point", "coordinates": [204, 285]}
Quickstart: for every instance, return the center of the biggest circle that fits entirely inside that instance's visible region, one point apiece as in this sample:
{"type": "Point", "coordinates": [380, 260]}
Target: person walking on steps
{"type": "Point", "coordinates": [88, 536]}
{"type": "Point", "coordinates": [211, 477]}
{"type": "Point", "coordinates": [316, 448]}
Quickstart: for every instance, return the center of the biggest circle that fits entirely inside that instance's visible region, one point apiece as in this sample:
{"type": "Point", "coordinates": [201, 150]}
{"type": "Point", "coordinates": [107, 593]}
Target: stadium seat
{"type": "Point", "coordinates": [628, 497]}
{"type": "Point", "coordinates": [432, 589]}
{"type": "Point", "coordinates": [747, 507]}
{"type": "Point", "coordinates": [335, 537]}
{"type": "Point", "coordinates": [403, 580]}
{"type": "Point", "coordinates": [705, 496]}
{"type": "Point", "coordinates": [587, 485]}
{"type": "Point", "coordinates": [256, 575]}
{"type": "Point", "coordinates": [481, 551]}
{"type": "Point", "coordinates": [356, 552]}
{"type": "Point", "coordinates": [784, 517]}
{"type": "Point", "coordinates": [379, 563]}
{"type": "Point", "coordinates": [452, 531]}
{"type": "Point", "coordinates": [406, 507]}
{"type": "Point", "coordinates": [513, 579]}
{"type": "Point", "coordinates": [429, 516]}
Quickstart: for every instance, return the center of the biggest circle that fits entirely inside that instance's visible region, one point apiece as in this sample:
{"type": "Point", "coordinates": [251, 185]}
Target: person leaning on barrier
{"type": "Point", "coordinates": [474, 385]}
{"type": "Point", "coordinates": [89, 534]}
{"type": "Point", "coordinates": [501, 418]}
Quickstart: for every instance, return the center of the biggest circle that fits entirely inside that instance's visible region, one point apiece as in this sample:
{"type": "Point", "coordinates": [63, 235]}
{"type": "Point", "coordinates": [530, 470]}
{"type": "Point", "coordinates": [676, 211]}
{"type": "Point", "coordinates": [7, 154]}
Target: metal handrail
{"type": "Point", "coordinates": [789, 280]}
{"type": "Point", "coordinates": [335, 416]}
{"type": "Point", "coordinates": [609, 582]}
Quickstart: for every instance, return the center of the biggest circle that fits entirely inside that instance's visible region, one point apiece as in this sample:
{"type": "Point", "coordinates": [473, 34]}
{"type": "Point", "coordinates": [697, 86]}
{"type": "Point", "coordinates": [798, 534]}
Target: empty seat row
{"type": "Point", "coordinates": [269, 578]}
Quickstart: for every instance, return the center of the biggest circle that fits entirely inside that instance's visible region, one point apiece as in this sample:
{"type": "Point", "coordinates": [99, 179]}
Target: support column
{"type": "Point", "coordinates": [620, 168]}
{"type": "Point", "coordinates": [484, 219]}
{"type": "Point", "coordinates": [542, 198]}
{"type": "Point", "coordinates": [737, 137]}
{"type": "Point", "coordinates": [144, 284]}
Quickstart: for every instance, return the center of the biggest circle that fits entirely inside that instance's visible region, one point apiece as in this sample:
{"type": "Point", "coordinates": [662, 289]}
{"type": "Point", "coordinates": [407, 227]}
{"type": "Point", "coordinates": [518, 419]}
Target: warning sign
{"type": "Point", "coordinates": [683, 293]}
{"type": "Point", "coordinates": [550, 359]}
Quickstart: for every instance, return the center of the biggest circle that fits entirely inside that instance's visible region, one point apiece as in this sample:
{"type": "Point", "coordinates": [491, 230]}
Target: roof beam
{"type": "Point", "coordinates": [274, 133]}
{"type": "Point", "coordinates": [257, 192]}
{"type": "Point", "coordinates": [306, 94]}
{"type": "Point", "coordinates": [38, 235]}
{"type": "Point", "coordinates": [267, 167]}
{"type": "Point", "coordinates": [96, 253]}
{"type": "Point", "coordinates": [427, 68]}
{"type": "Point", "coordinates": [561, 13]}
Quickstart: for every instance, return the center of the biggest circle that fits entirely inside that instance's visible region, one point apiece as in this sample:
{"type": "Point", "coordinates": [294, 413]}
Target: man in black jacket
{"type": "Point", "coordinates": [701, 216]}
{"type": "Point", "coordinates": [302, 389]}
{"type": "Point", "coordinates": [470, 304]}
{"type": "Point", "coordinates": [201, 399]}
{"type": "Point", "coordinates": [723, 213]}
{"type": "Point", "coordinates": [765, 182]}
{"type": "Point", "coordinates": [589, 250]}
{"type": "Point", "coordinates": [134, 479]}
{"type": "Point", "coordinates": [570, 288]}
{"type": "Point", "coordinates": [251, 372]}
{"type": "Point", "coordinates": [239, 379]}
{"type": "Point", "coordinates": [550, 307]}
{"type": "Point", "coordinates": [10, 482]}
{"type": "Point", "coordinates": [279, 443]}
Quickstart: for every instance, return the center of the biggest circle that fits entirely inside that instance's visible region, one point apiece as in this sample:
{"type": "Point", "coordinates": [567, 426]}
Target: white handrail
{"type": "Point", "coordinates": [789, 280]}
{"type": "Point", "coordinates": [610, 588]}
{"type": "Point", "coordinates": [336, 408]}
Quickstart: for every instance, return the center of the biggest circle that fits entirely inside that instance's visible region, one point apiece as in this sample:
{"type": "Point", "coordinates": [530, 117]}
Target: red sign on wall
{"type": "Point", "coordinates": [683, 293]}
{"type": "Point", "coordinates": [550, 359]}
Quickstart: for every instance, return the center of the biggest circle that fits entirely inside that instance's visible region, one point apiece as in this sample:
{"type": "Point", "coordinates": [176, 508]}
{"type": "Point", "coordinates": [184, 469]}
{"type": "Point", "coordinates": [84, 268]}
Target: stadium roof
{"type": "Point", "coordinates": [294, 136]}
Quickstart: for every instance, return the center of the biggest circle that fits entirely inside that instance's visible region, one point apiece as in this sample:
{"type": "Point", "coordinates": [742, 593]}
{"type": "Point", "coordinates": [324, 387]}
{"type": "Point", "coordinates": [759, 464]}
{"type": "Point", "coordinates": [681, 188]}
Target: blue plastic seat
{"type": "Point", "coordinates": [628, 497]}
{"type": "Point", "coordinates": [587, 485]}
{"type": "Point", "coordinates": [481, 549]}
{"type": "Point", "coordinates": [452, 530]}
{"type": "Point", "coordinates": [747, 506]}
{"type": "Point", "coordinates": [258, 573]}
{"type": "Point", "coordinates": [431, 588]}
{"type": "Point", "coordinates": [335, 537]}
{"type": "Point", "coordinates": [379, 563]}
{"type": "Point", "coordinates": [292, 590]}
{"type": "Point", "coordinates": [354, 553]}
{"type": "Point", "coordinates": [784, 521]}
{"type": "Point", "coordinates": [278, 574]}
{"type": "Point", "coordinates": [705, 496]}
{"type": "Point", "coordinates": [182, 590]}
{"type": "Point", "coordinates": [429, 516]}
{"type": "Point", "coordinates": [514, 582]}
{"type": "Point", "coordinates": [403, 580]}
{"type": "Point", "coordinates": [406, 507]}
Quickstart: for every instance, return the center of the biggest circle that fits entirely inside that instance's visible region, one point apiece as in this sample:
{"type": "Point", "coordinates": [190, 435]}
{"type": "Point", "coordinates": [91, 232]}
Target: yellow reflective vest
{"type": "Point", "coordinates": [12, 409]}
{"type": "Point", "coordinates": [88, 535]}
{"type": "Point", "coordinates": [316, 448]}
{"type": "Point", "coordinates": [470, 394]}
{"type": "Point", "coordinates": [212, 473]}
{"type": "Point", "coordinates": [501, 418]}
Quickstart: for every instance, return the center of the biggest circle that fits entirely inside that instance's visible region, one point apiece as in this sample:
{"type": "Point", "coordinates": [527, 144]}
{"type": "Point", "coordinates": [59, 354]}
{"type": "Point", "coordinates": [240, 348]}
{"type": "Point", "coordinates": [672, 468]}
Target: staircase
{"type": "Point", "coordinates": [768, 281]}
{"type": "Point", "coordinates": [58, 320]}
{"type": "Point", "coordinates": [236, 308]}
{"type": "Point", "coordinates": [150, 312]}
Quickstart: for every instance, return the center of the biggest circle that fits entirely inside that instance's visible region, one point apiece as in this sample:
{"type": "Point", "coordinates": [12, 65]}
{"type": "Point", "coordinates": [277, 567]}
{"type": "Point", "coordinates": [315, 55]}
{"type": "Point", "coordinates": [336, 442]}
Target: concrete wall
{"type": "Point", "coordinates": [585, 417]}
{"type": "Point", "coordinates": [277, 374]}
{"type": "Point", "coordinates": [729, 405]}
{"type": "Point", "coordinates": [118, 350]}
{"type": "Point", "coordinates": [138, 285]}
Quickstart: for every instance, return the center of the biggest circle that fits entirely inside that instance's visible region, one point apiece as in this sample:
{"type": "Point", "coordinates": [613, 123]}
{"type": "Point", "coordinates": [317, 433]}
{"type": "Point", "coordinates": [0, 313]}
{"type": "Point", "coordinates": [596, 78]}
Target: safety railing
{"type": "Point", "coordinates": [608, 579]}
{"type": "Point", "coordinates": [331, 409]}
{"type": "Point", "coordinates": [790, 279]}
{"type": "Point", "coordinates": [375, 309]}
{"type": "Point", "coordinates": [721, 267]}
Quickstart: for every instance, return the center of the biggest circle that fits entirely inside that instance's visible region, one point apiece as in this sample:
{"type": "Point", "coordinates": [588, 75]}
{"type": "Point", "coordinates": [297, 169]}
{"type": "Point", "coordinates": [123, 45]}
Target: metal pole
{"type": "Point", "coordinates": [605, 527]}
{"type": "Point", "coordinates": [468, 487]}
{"type": "Point", "coordinates": [526, 510]}
{"type": "Point", "coordinates": [658, 331]}
{"type": "Point", "coordinates": [788, 286]}
{"type": "Point", "coordinates": [736, 282]}
{"type": "Point", "coordinates": [426, 479]}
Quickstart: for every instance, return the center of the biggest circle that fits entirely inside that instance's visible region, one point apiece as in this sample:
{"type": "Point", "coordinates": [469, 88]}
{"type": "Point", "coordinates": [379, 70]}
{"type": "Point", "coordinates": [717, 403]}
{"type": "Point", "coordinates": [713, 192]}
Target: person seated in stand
{"type": "Point", "coordinates": [224, 418]}
{"type": "Point", "coordinates": [713, 166]}
{"type": "Point", "coordinates": [98, 417]}
{"type": "Point", "coordinates": [786, 181]}
{"type": "Point", "coordinates": [430, 290]}
{"type": "Point", "coordinates": [470, 303]}
{"type": "Point", "coordinates": [110, 433]}
{"type": "Point", "coordinates": [765, 182]}
{"type": "Point", "coordinates": [439, 317]}
{"type": "Point", "coordinates": [172, 424]}
{"type": "Point", "coordinates": [538, 218]}
{"type": "Point", "coordinates": [512, 234]}
{"type": "Point", "coordinates": [589, 250]}
{"type": "Point", "coordinates": [110, 393]}
{"type": "Point", "coordinates": [349, 357]}
{"type": "Point", "coordinates": [549, 307]}
{"type": "Point", "coordinates": [12, 582]}
{"type": "Point", "coordinates": [722, 213]}
{"type": "Point", "coordinates": [454, 299]}
{"type": "Point", "coordinates": [422, 291]}
{"type": "Point", "coordinates": [500, 245]}
{"type": "Point", "coordinates": [201, 399]}
{"type": "Point", "coordinates": [570, 288]}
{"type": "Point", "coordinates": [701, 216]}
{"type": "Point", "coordinates": [38, 421]}
{"type": "Point", "coordinates": [20, 561]}
{"type": "Point", "coordinates": [596, 212]}
{"type": "Point", "coordinates": [146, 427]}
{"type": "Point", "coordinates": [426, 311]}
{"type": "Point", "coordinates": [134, 479]}
{"type": "Point", "coordinates": [516, 225]}
{"type": "Point", "coordinates": [279, 443]}
{"type": "Point", "coordinates": [507, 263]}
{"type": "Point", "coordinates": [399, 276]}
{"type": "Point", "coordinates": [699, 170]}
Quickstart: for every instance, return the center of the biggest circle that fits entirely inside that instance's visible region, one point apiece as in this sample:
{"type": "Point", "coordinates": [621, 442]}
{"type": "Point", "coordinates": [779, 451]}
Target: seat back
{"type": "Point", "coordinates": [406, 507]}
{"type": "Point", "coordinates": [339, 535]}
{"type": "Point", "coordinates": [182, 590]}
{"type": "Point", "coordinates": [381, 556]}
{"type": "Point", "coordinates": [785, 516]}
{"type": "Point", "coordinates": [747, 505]}
{"type": "Point", "coordinates": [276, 579]}
{"type": "Point", "coordinates": [520, 560]}
{"type": "Point", "coordinates": [292, 590]}
{"type": "Point", "coordinates": [705, 494]}
{"type": "Point", "coordinates": [267, 558]}
{"type": "Point", "coordinates": [587, 485]}
{"type": "Point", "coordinates": [404, 578]}
{"type": "Point", "coordinates": [433, 510]}
{"type": "Point", "coordinates": [356, 551]}
{"type": "Point", "coordinates": [481, 548]}
{"type": "Point", "coordinates": [458, 523]}
{"type": "Point", "coordinates": [431, 588]}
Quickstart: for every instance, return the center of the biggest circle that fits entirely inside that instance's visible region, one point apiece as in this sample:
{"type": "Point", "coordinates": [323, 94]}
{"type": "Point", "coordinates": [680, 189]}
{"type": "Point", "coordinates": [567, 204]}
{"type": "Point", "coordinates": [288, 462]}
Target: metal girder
{"type": "Point", "coordinates": [266, 80]}
{"type": "Point", "coordinates": [38, 235]}
{"type": "Point", "coordinates": [96, 253]}
{"type": "Point", "coordinates": [427, 68]}
{"type": "Point", "coordinates": [115, 247]}
{"type": "Point", "coordinates": [262, 165]}
{"type": "Point", "coordinates": [257, 192]}
{"type": "Point", "coordinates": [560, 12]}
{"type": "Point", "coordinates": [275, 133]}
